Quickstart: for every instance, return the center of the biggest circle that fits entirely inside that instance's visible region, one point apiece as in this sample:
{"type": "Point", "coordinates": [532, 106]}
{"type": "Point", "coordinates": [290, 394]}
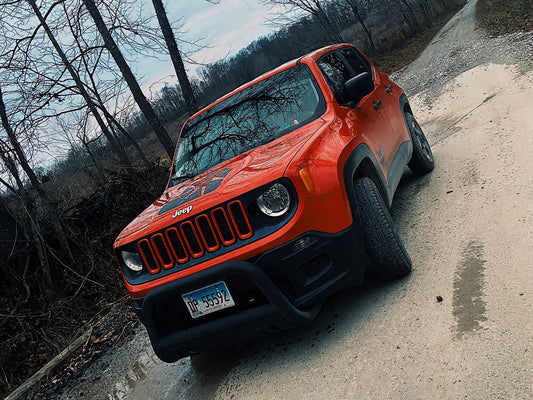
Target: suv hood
{"type": "Point", "coordinates": [220, 183]}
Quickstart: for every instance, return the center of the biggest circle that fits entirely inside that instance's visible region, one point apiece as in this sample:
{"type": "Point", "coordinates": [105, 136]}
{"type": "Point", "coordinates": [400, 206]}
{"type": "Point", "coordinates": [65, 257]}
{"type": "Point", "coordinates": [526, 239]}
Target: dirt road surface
{"type": "Point", "coordinates": [469, 229]}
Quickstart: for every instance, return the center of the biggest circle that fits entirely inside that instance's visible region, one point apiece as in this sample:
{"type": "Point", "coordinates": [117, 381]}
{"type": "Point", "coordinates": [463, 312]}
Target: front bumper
{"type": "Point", "coordinates": [280, 289]}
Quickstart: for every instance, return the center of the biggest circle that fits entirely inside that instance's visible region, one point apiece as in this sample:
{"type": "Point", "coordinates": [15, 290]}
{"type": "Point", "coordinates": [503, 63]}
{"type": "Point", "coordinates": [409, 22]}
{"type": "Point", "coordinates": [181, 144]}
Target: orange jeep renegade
{"type": "Point", "coordinates": [278, 198]}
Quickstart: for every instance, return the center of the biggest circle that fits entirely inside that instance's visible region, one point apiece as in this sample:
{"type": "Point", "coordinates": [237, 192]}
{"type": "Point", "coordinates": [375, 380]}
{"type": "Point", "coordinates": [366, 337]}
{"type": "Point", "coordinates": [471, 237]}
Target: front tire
{"type": "Point", "coordinates": [422, 160]}
{"type": "Point", "coordinates": [382, 242]}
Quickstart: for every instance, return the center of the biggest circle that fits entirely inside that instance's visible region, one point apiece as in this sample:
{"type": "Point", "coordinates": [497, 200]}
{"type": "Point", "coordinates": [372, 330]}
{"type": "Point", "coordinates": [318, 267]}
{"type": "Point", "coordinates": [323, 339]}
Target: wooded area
{"type": "Point", "coordinates": [67, 84]}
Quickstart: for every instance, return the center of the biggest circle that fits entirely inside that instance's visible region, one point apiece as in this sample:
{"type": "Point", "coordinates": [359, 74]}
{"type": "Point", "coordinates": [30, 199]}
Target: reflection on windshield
{"type": "Point", "coordinates": [250, 118]}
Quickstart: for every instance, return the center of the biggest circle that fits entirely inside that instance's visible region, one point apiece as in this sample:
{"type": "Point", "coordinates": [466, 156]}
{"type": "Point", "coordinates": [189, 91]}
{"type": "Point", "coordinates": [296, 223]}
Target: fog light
{"type": "Point", "coordinates": [302, 243]}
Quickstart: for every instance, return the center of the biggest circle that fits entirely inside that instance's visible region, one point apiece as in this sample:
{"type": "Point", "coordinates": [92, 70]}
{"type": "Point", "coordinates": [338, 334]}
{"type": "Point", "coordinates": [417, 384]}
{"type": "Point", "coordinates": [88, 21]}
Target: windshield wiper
{"type": "Point", "coordinates": [175, 179]}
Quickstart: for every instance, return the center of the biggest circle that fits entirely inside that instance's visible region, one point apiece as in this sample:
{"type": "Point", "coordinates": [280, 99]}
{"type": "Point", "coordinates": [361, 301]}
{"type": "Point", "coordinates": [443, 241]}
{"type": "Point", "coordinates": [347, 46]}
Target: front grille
{"type": "Point", "coordinates": [193, 238]}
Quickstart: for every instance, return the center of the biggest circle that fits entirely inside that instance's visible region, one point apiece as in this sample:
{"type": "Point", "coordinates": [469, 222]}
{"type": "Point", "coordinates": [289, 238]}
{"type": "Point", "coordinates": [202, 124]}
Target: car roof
{"type": "Point", "coordinates": [309, 58]}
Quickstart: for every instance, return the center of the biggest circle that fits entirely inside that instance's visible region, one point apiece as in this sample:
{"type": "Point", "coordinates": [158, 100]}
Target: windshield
{"type": "Point", "coordinates": [255, 116]}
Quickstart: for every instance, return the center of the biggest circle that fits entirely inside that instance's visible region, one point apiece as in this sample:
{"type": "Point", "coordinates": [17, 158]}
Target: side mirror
{"type": "Point", "coordinates": [359, 86]}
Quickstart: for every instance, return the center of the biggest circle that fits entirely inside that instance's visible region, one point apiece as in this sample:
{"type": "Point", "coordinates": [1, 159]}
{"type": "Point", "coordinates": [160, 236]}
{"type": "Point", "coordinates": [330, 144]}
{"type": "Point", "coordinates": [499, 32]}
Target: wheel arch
{"type": "Point", "coordinates": [406, 109]}
{"type": "Point", "coordinates": [362, 163]}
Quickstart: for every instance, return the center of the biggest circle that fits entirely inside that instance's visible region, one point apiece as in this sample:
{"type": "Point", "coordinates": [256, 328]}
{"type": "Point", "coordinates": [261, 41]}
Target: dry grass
{"type": "Point", "coordinates": [395, 60]}
{"type": "Point", "coordinates": [504, 16]}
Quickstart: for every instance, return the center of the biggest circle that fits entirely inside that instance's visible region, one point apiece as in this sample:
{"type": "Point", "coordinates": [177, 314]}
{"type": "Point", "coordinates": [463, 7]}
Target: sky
{"type": "Point", "coordinates": [225, 27]}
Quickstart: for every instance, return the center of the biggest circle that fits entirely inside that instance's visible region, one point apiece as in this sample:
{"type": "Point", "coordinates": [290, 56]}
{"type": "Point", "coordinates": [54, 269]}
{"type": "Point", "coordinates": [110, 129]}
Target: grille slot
{"type": "Point", "coordinates": [161, 251]}
{"type": "Point", "coordinates": [222, 223]}
{"type": "Point", "coordinates": [145, 250]}
{"type": "Point", "coordinates": [205, 228]}
{"type": "Point", "coordinates": [177, 246]}
{"type": "Point", "coordinates": [240, 220]}
{"type": "Point", "coordinates": [192, 239]}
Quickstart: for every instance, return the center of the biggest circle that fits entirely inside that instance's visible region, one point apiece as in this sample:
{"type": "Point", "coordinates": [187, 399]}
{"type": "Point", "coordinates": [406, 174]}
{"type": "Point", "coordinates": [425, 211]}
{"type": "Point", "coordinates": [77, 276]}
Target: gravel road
{"type": "Point", "coordinates": [461, 325]}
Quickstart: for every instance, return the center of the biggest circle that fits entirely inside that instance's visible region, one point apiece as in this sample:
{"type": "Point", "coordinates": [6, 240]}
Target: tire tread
{"type": "Point", "coordinates": [382, 242]}
{"type": "Point", "coordinates": [419, 164]}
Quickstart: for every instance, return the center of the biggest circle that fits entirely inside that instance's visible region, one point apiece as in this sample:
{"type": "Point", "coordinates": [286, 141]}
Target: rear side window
{"type": "Point", "coordinates": [337, 73]}
{"type": "Point", "coordinates": [338, 67]}
{"type": "Point", "coordinates": [356, 61]}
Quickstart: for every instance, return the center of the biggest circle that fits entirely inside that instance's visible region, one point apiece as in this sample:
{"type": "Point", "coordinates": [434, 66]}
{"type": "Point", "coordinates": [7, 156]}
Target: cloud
{"type": "Point", "coordinates": [227, 27]}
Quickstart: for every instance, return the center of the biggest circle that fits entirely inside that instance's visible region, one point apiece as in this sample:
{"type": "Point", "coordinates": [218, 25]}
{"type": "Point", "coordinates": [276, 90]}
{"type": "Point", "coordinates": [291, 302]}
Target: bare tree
{"type": "Point", "coordinates": [136, 91]}
{"type": "Point", "coordinates": [80, 86]}
{"type": "Point", "coordinates": [31, 231]}
{"type": "Point", "coordinates": [408, 15]}
{"type": "Point", "coordinates": [28, 170]}
{"type": "Point", "coordinates": [75, 24]}
{"type": "Point", "coordinates": [355, 7]}
{"type": "Point", "coordinates": [314, 8]}
{"type": "Point", "coordinates": [175, 56]}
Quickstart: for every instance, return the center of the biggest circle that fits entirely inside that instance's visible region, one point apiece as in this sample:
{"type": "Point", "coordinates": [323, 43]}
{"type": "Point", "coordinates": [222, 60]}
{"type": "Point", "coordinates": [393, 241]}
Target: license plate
{"type": "Point", "coordinates": [208, 299]}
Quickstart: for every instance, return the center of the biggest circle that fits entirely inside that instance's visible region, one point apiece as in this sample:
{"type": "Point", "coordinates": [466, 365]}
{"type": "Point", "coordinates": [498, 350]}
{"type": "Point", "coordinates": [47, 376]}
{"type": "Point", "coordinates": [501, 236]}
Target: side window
{"type": "Point", "coordinates": [358, 63]}
{"type": "Point", "coordinates": [336, 73]}
{"type": "Point", "coordinates": [340, 66]}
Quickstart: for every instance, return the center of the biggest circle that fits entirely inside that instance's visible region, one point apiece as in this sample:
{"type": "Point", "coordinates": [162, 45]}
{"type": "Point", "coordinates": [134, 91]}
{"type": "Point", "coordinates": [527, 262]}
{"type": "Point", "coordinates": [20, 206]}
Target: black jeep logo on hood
{"type": "Point", "coordinates": [210, 183]}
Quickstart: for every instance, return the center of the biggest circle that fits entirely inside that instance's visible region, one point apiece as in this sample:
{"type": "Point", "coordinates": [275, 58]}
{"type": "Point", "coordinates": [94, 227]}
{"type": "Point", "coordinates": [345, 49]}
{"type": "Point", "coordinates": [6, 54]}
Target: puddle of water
{"type": "Point", "coordinates": [150, 379]}
{"type": "Point", "coordinates": [135, 375]}
{"type": "Point", "coordinates": [212, 370]}
{"type": "Point", "coordinates": [192, 378]}
{"type": "Point", "coordinates": [469, 308]}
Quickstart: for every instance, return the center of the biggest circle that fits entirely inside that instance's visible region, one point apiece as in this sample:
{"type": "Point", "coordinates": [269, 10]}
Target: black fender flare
{"type": "Point", "coordinates": [406, 108]}
{"type": "Point", "coordinates": [362, 162]}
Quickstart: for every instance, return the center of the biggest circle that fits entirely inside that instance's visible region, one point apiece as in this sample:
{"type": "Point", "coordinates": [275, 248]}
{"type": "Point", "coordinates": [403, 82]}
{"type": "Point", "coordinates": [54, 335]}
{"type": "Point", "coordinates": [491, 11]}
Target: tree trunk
{"type": "Point", "coordinates": [175, 56]}
{"type": "Point", "coordinates": [144, 105]}
{"type": "Point", "coordinates": [355, 10]}
{"type": "Point", "coordinates": [323, 19]}
{"type": "Point", "coordinates": [12, 168]}
{"type": "Point", "coordinates": [411, 20]}
{"type": "Point", "coordinates": [113, 122]}
{"type": "Point", "coordinates": [30, 228]}
{"type": "Point", "coordinates": [101, 173]}
{"type": "Point", "coordinates": [28, 170]}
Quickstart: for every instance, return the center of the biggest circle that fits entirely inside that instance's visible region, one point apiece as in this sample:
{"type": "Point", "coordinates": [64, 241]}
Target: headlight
{"type": "Point", "coordinates": [275, 201]}
{"type": "Point", "coordinates": [132, 260]}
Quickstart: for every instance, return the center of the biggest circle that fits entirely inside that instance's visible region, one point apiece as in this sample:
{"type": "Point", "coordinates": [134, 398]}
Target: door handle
{"type": "Point", "coordinates": [389, 89]}
{"type": "Point", "coordinates": [377, 104]}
